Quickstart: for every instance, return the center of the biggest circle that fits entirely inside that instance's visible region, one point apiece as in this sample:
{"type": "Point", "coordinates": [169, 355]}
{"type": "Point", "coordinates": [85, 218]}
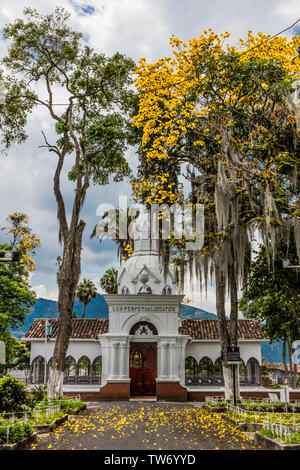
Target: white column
{"type": "Point", "coordinates": [172, 359]}
{"type": "Point", "coordinates": [115, 350]}
{"type": "Point", "coordinates": [167, 360]}
{"type": "Point", "coordinates": [124, 359]}
{"type": "Point", "coordinates": [163, 360]}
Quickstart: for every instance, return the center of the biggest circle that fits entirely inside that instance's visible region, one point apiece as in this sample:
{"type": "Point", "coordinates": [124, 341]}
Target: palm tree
{"type": "Point", "coordinates": [86, 291]}
{"type": "Point", "coordinates": [108, 281]}
{"type": "Point", "coordinates": [109, 227]}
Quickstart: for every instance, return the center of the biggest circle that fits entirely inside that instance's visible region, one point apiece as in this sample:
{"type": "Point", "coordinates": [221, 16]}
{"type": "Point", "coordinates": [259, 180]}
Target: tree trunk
{"type": "Point", "coordinates": [68, 278]}
{"type": "Point", "coordinates": [233, 335]}
{"type": "Point", "coordinates": [228, 382]}
{"type": "Point", "coordinates": [292, 375]}
{"type": "Point", "coordinates": [84, 309]}
{"type": "Point", "coordinates": [286, 372]}
{"type": "Point", "coordinates": [224, 339]}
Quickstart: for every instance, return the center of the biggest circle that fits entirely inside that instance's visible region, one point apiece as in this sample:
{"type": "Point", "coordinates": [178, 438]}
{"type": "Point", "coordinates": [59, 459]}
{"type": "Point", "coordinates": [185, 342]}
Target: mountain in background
{"type": "Point", "coordinates": [98, 308]}
{"type": "Point", "coordinates": [272, 352]}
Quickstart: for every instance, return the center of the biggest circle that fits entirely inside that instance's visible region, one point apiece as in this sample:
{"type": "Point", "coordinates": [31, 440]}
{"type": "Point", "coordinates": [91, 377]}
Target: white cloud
{"type": "Point", "coordinates": [41, 291]}
{"type": "Point", "coordinates": [288, 9]}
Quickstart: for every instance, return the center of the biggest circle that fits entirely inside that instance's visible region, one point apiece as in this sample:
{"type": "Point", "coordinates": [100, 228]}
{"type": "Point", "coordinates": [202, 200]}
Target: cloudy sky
{"type": "Point", "coordinates": [137, 28]}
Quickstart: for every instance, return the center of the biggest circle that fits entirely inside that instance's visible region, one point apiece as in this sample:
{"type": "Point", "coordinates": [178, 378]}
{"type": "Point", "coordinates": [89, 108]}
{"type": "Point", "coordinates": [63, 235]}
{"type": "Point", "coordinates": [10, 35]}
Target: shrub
{"type": "Point", "coordinates": [72, 405]}
{"type": "Point", "coordinates": [17, 431]}
{"type": "Point", "coordinates": [39, 392]}
{"type": "Point", "coordinates": [12, 394]}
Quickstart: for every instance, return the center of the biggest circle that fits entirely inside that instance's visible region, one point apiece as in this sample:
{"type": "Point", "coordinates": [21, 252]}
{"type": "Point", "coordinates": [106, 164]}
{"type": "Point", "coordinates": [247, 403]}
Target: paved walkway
{"type": "Point", "coordinates": [144, 426]}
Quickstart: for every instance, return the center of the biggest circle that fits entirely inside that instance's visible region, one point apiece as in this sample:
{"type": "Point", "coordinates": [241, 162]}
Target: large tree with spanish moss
{"type": "Point", "coordinates": [223, 118]}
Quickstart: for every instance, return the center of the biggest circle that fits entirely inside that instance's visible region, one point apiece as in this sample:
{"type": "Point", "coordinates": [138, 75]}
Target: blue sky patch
{"type": "Point", "coordinates": [84, 9]}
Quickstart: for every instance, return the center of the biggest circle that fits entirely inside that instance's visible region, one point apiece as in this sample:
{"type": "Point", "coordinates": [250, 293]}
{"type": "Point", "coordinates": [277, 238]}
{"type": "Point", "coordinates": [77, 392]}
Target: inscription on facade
{"type": "Point", "coordinates": [136, 308]}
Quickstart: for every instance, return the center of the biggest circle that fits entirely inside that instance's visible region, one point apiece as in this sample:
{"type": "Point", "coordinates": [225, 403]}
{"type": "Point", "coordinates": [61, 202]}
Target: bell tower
{"type": "Point", "coordinates": [143, 352]}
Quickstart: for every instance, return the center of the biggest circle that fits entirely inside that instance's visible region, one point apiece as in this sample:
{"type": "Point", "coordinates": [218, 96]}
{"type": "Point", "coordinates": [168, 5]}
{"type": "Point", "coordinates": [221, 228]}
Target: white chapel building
{"type": "Point", "coordinates": [144, 348]}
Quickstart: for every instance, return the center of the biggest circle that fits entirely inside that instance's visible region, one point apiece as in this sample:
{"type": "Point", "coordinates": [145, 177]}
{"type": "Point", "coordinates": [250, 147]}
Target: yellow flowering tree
{"type": "Point", "coordinates": [23, 239]}
{"type": "Point", "coordinates": [225, 113]}
{"type": "Point", "coordinates": [16, 298]}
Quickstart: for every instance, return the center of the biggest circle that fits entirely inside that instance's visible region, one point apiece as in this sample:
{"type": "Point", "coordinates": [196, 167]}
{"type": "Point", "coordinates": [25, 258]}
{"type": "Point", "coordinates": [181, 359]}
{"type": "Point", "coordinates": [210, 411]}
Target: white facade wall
{"type": "Point", "coordinates": [212, 350]}
{"type": "Point", "coordinates": [76, 349]}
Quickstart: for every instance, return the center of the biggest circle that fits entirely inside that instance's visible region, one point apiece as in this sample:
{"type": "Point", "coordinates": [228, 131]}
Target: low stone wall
{"type": "Point", "coordinates": [20, 445]}
{"type": "Point", "coordinates": [245, 427]}
{"type": "Point", "coordinates": [200, 395]}
{"type": "Point", "coordinates": [84, 396]}
{"type": "Point", "coordinates": [45, 428]}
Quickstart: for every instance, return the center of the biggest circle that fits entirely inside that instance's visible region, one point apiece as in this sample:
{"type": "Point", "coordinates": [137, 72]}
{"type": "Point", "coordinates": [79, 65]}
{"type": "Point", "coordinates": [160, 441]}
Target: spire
{"type": "Point", "coordinates": [146, 247]}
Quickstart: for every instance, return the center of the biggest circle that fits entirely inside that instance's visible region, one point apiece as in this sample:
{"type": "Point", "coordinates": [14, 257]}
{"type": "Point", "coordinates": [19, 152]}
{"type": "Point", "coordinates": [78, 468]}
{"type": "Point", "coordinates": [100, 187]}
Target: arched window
{"type": "Point", "coordinates": [191, 367]}
{"type": "Point", "coordinates": [253, 371]}
{"type": "Point", "coordinates": [218, 372]}
{"type": "Point", "coordinates": [38, 370]}
{"type": "Point", "coordinates": [136, 360]}
{"type": "Point", "coordinates": [70, 370]}
{"type": "Point", "coordinates": [242, 369]}
{"type": "Point", "coordinates": [218, 367]}
{"type": "Point", "coordinates": [70, 366]}
{"type": "Point", "coordinates": [97, 370]}
{"type": "Point", "coordinates": [206, 370]}
{"type": "Point", "coordinates": [83, 367]}
{"type": "Point", "coordinates": [167, 290]}
{"type": "Point", "coordinates": [145, 290]}
{"type": "Point", "coordinates": [125, 291]}
{"type": "Point", "coordinates": [206, 367]}
{"type": "Point", "coordinates": [49, 365]}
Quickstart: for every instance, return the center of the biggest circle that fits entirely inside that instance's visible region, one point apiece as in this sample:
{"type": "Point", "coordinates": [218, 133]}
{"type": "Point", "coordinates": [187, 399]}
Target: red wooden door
{"type": "Point", "coordinates": [143, 368]}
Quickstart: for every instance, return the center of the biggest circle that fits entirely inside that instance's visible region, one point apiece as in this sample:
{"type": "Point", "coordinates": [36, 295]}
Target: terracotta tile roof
{"type": "Point", "coordinates": [81, 328]}
{"type": "Point", "coordinates": [279, 366]}
{"type": "Point", "coordinates": [209, 329]}
{"type": "Point", "coordinates": [197, 329]}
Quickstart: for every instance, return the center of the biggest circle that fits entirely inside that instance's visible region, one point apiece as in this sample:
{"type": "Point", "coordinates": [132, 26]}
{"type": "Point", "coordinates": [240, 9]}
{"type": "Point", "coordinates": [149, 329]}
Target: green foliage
{"type": "Point", "coordinates": [71, 405]}
{"type": "Point", "coordinates": [16, 298]}
{"type": "Point", "coordinates": [108, 281]}
{"type": "Point", "coordinates": [42, 418]}
{"type": "Point", "coordinates": [43, 48]}
{"type": "Point", "coordinates": [295, 436]}
{"type": "Point", "coordinates": [12, 394]}
{"type": "Point", "coordinates": [273, 297]}
{"type": "Point", "coordinates": [17, 353]}
{"type": "Point", "coordinates": [38, 392]}
{"type": "Point", "coordinates": [17, 431]}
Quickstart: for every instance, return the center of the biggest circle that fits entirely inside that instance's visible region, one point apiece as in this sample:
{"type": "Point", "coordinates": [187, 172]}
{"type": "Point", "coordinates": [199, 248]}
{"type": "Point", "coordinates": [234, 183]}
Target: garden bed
{"type": "Point", "coordinates": [213, 408]}
{"type": "Point", "coordinates": [21, 445]}
{"type": "Point", "coordinates": [48, 427]}
{"type": "Point", "coordinates": [273, 444]}
{"type": "Point", "coordinates": [245, 427]}
{"type": "Point", "coordinates": [76, 411]}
